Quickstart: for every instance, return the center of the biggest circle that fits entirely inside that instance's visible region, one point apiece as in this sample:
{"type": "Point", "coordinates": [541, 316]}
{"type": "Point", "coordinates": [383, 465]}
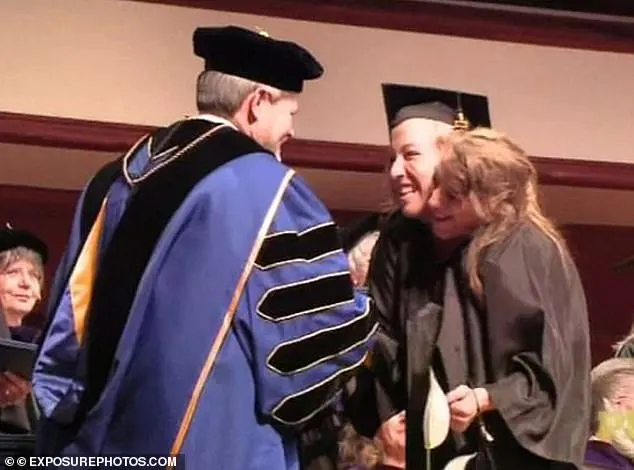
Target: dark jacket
{"type": "Point", "coordinates": [601, 455]}
{"type": "Point", "coordinates": [15, 419]}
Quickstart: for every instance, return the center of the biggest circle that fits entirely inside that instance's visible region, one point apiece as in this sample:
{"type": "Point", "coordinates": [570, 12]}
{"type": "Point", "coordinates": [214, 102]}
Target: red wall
{"type": "Point", "coordinates": [596, 249]}
{"type": "Point", "coordinates": [610, 293]}
{"type": "Point", "coordinates": [46, 212]}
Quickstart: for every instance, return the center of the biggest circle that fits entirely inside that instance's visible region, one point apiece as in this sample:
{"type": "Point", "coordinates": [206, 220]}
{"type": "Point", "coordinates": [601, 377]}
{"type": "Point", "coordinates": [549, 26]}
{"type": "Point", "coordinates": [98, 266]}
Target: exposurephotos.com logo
{"type": "Point", "coordinates": [127, 461]}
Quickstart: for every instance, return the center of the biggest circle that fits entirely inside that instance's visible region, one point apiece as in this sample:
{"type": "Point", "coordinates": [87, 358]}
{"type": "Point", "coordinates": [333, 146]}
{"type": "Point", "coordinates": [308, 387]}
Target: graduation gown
{"type": "Point", "coordinates": [528, 344]}
{"type": "Point", "coordinates": [209, 310]}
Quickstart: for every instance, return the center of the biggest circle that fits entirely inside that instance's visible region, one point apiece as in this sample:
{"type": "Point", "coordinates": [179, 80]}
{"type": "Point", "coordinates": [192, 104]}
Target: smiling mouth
{"type": "Point", "coordinates": [22, 297]}
{"type": "Point", "coordinates": [405, 192]}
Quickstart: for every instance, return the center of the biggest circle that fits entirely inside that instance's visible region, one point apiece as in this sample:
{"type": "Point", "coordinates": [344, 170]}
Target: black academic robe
{"type": "Point", "coordinates": [527, 344]}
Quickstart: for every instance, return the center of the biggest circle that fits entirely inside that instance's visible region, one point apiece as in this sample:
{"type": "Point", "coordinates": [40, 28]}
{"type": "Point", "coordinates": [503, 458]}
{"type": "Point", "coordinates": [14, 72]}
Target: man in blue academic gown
{"type": "Point", "coordinates": [204, 306]}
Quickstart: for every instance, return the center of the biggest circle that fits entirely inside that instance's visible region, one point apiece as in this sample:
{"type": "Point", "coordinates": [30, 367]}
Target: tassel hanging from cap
{"type": "Point", "coordinates": [460, 121]}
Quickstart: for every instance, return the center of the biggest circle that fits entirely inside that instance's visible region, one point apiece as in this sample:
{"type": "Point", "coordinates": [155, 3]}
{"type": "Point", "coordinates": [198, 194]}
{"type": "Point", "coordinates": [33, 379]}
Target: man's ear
{"type": "Point", "coordinates": [255, 103]}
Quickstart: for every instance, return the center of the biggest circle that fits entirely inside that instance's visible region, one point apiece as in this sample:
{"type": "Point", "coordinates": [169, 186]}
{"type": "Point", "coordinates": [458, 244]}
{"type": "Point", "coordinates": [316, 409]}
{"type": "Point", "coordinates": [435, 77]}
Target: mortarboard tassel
{"type": "Point", "coordinates": [460, 121]}
{"type": "Point", "coordinates": [262, 32]}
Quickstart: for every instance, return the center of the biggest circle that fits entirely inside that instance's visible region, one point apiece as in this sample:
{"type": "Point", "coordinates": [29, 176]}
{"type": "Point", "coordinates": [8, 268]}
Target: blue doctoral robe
{"type": "Point", "coordinates": [242, 327]}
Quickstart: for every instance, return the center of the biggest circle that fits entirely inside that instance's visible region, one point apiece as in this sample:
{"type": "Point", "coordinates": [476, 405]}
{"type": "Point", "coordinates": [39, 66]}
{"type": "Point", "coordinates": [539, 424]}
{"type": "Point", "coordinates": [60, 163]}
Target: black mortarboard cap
{"type": "Point", "coordinates": [352, 233]}
{"type": "Point", "coordinates": [403, 102]}
{"type": "Point", "coordinates": [256, 56]}
{"type": "Point", "coordinates": [13, 238]}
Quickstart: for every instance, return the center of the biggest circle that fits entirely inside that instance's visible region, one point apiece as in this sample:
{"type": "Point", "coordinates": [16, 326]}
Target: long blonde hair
{"type": "Point", "coordinates": [500, 181]}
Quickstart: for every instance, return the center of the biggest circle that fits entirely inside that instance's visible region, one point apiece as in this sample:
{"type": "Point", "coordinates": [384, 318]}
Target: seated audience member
{"type": "Point", "coordinates": [358, 240]}
{"type": "Point", "coordinates": [611, 445]}
{"type": "Point", "coordinates": [385, 452]}
{"type": "Point", "coordinates": [22, 258]}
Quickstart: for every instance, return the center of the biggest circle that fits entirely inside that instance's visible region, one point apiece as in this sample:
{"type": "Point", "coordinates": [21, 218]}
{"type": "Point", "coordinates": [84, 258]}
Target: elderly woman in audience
{"type": "Point", "coordinates": [22, 258]}
{"type": "Point", "coordinates": [612, 443]}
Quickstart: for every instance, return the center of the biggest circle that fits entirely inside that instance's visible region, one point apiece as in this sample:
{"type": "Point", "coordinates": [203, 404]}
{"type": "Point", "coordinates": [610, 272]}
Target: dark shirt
{"type": "Point", "coordinates": [376, 467]}
{"type": "Point", "coordinates": [25, 333]}
{"type": "Point", "coordinates": [600, 454]}
{"type": "Point", "coordinates": [15, 419]}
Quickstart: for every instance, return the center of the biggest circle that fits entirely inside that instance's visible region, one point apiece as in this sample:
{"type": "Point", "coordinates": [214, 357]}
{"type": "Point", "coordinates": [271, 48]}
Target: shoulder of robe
{"type": "Point", "coordinates": [397, 229]}
{"type": "Point", "coordinates": [526, 245]}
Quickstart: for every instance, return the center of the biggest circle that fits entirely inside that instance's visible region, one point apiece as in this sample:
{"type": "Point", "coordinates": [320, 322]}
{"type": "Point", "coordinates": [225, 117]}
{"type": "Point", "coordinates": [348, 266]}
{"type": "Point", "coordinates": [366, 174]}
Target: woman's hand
{"type": "Point", "coordinates": [13, 389]}
{"type": "Point", "coordinates": [465, 404]}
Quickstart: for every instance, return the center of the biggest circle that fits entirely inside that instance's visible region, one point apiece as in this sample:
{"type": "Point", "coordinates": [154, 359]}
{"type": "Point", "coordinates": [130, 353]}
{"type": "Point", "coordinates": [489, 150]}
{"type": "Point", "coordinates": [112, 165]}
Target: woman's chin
{"type": "Point", "coordinates": [412, 210]}
{"type": "Point", "coordinates": [441, 234]}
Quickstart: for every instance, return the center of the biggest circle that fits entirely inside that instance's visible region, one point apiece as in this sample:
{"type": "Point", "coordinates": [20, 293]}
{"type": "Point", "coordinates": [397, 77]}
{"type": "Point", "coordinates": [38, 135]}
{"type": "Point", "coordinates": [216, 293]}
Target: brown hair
{"type": "Point", "coordinates": [500, 181]}
{"type": "Point", "coordinates": [355, 449]}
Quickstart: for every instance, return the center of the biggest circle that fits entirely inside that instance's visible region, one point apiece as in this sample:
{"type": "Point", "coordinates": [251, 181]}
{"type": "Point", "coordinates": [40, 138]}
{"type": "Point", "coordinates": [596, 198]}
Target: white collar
{"type": "Point", "coordinates": [219, 120]}
{"type": "Point", "coordinates": [215, 119]}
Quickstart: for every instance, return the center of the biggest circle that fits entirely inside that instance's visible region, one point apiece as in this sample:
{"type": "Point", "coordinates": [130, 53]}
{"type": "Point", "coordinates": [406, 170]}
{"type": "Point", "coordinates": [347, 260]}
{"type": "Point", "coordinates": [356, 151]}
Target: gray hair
{"type": "Point", "coordinates": [607, 381]}
{"type": "Point", "coordinates": [359, 256]}
{"type": "Point", "coordinates": [620, 345]}
{"type": "Point", "coordinates": [221, 94]}
{"type": "Point", "coordinates": [8, 257]}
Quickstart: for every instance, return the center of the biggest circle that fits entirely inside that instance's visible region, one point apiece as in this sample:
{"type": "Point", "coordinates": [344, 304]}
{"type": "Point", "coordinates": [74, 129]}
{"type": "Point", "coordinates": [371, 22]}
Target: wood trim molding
{"type": "Point", "coordinates": [39, 202]}
{"type": "Point", "coordinates": [517, 26]}
{"type": "Point", "coordinates": [59, 204]}
{"type": "Point", "coordinates": [81, 134]}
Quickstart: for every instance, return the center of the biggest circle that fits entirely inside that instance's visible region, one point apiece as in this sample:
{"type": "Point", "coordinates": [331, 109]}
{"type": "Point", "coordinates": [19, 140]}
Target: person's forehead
{"type": "Point", "coordinates": [628, 382]}
{"type": "Point", "coordinates": [418, 131]}
{"type": "Point", "coordinates": [289, 99]}
{"type": "Point", "coordinates": [21, 262]}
